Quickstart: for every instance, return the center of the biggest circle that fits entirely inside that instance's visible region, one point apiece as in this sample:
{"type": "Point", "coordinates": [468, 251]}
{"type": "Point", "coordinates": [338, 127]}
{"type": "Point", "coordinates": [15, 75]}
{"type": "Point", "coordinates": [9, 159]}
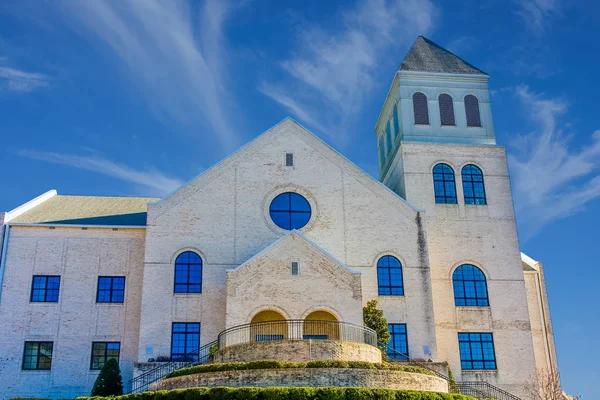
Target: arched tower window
{"type": "Point", "coordinates": [472, 110]}
{"type": "Point", "coordinates": [473, 187]}
{"type": "Point", "coordinates": [420, 109]}
{"type": "Point", "coordinates": [443, 184]}
{"type": "Point", "coordinates": [389, 276]}
{"type": "Point", "coordinates": [470, 287]}
{"type": "Point", "coordinates": [446, 110]}
{"type": "Point", "coordinates": [188, 273]}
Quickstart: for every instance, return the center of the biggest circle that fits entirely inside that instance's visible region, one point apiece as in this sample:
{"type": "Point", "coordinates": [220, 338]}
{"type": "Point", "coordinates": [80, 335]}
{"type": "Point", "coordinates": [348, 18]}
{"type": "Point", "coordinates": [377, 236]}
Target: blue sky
{"type": "Point", "coordinates": [136, 98]}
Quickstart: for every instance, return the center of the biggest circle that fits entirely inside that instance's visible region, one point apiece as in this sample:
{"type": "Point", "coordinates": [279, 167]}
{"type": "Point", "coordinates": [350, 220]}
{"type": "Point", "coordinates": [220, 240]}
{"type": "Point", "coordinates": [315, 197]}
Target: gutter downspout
{"type": "Point", "coordinates": [3, 257]}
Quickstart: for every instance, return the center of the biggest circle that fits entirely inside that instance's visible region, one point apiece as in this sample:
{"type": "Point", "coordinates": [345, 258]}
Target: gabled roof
{"type": "Point", "coordinates": [427, 56]}
{"type": "Point", "coordinates": [87, 210]}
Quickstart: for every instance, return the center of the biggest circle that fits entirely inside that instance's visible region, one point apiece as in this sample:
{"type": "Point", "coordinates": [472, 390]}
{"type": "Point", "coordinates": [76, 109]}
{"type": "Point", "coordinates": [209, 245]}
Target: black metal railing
{"type": "Point", "coordinates": [478, 390]}
{"type": "Point", "coordinates": [296, 329]}
{"type": "Point", "coordinates": [198, 356]}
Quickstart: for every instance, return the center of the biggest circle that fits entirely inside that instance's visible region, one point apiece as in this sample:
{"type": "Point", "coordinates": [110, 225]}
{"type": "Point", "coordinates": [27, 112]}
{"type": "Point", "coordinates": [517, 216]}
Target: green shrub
{"type": "Point", "coordinates": [109, 381]}
{"type": "Point", "coordinates": [276, 364]}
{"type": "Point", "coordinates": [285, 393]}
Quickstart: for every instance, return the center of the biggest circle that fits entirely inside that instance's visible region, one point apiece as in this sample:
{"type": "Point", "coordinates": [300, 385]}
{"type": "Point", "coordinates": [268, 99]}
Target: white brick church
{"type": "Point", "coordinates": [288, 228]}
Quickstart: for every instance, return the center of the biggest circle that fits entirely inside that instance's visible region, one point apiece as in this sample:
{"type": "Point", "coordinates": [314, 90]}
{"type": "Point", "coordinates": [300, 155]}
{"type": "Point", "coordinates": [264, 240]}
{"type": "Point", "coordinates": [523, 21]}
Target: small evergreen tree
{"type": "Point", "coordinates": [452, 384]}
{"type": "Point", "coordinates": [109, 381]}
{"type": "Point", "coordinates": [373, 318]}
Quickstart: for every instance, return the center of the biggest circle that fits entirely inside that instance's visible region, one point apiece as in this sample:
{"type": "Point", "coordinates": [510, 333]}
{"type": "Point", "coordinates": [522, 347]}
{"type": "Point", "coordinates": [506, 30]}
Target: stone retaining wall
{"type": "Point", "coordinates": [300, 350]}
{"type": "Point", "coordinates": [314, 377]}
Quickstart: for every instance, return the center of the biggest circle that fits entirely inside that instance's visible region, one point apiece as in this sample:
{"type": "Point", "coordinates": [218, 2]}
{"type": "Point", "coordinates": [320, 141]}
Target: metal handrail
{"type": "Point", "coordinates": [478, 390]}
{"type": "Point", "coordinates": [296, 329]}
{"type": "Point", "coordinates": [195, 357]}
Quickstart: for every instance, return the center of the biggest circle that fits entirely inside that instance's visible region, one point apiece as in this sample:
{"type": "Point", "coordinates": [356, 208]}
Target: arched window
{"type": "Point", "coordinates": [396, 121]}
{"type": "Point", "coordinates": [290, 211]}
{"type": "Point", "coordinates": [188, 273]}
{"type": "Point", "coordinates": [443, 184]}
{"type": "Point", "coordinates": [420, 109]}
{"type": "Point", "coordinates": [472, 110]}
{"type": "Point", "coordinates": [473, 187]}
{"type": "Point", "coordinates": [446, 110]}
{"type": "Point", "coordinates": [470, 287]}
{"type": "Point", "coordinates": [389, 276]}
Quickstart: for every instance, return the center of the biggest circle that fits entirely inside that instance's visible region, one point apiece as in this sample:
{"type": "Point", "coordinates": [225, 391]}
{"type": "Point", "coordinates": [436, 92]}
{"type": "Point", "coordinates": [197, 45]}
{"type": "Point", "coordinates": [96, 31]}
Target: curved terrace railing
{"type": "Point", "coordinates": [296, 329]}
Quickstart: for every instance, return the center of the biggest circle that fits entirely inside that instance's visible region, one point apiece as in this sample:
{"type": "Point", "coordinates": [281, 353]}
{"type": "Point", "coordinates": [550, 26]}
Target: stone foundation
{"type": "Point", "coordinates": [300, 350]}
{"type": "Point", "coordinates": [314, 377]}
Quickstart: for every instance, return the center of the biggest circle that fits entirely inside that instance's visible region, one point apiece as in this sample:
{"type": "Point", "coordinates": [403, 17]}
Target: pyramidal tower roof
{"type": "Point", "coordinates": [427, 56]}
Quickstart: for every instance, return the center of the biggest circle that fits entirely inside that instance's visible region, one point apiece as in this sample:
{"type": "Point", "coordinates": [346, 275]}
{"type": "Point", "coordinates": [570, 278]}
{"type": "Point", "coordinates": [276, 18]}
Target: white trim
{"type": "Point", "coordinates": [79, 225]}
{"type": "Point", "coordinates": [3, 257]}
{"type": "Point", "coordinates": [23, 208]}
{"type": "Point", "coordinates": [528, 260]}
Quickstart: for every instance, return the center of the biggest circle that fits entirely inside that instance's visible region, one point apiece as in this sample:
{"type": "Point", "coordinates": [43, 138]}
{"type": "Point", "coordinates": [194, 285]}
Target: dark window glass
{"type": "Point", "coordinates": [289, 160]}
{"type": "Point", "coordinates": [45, 288]}
{"type": "Point", "coordinates": [446, 109]}
{"type": "Point", "coordinates": [389, 276]}
{"type": "Point", "coordinates": [295, 268]}
{"type": "Point", "coordinates": [315, 337]}
{"type": "Point", "coordinates": [37, 355]}
{"type": "Point", "coordinates": [290, 211]}
{"type": "Point", "coordinates": [267, 338]}
{"type": "Point", "coordinates": [473, 187]}
{"type": "Point", "coordinates": [388, 136]}
{"type": "Point", "coordinates": [104, 351]}
{"type": "Point", "coordinates": [188, 273]}
{"type": "Point", "coordinates": [111, 289]}
{"type": "Point", "coordinates": [472, 110]}
{"type": "Point", "coordinates": [477, 351]}
{"type": "Point", "coordinates": [398, 342]}
{"type": "Point", "coordinates": [185, 341]}
{"type": "Point", "coordinates": [420, 109]}
{"type": "Point", "coordinates": [381, 151]}
{"type": "Point", "coordinates": [443, 184]}
{"type": "Point", "coordinates": [396, 121]}
{"type": "Point", "coordinates": [470, 287]}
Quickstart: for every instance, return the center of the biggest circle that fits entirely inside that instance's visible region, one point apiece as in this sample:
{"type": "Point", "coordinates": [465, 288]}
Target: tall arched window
{"type": "Point", "coordinates": [446, 110]}
{"type": "Point", "coordinates": [472, 110]}
{"type": "Point", "coordinates": [473, 187]}
{"type": "Point", "coordinates": [420, 109]}
{"type": "Point", "coordinates": [389, 276]}
{"type": "Point", "coordinates": [188, 273]}
{"type": "Point", "coordinates": [470, 287]}
{"type": "Point", "coordinates": [443, 184]}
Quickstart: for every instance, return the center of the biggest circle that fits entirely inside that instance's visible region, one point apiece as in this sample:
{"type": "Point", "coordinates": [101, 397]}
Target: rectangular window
{"type": "Point", "coordinates": [295, 269]}
{"type": "Point", "coordinates": [267, 338]}
{"type": "Point", "coordinates": [477, 351]}
{"type": "Point", "coordinates": [396, 122]}
{"type": "Point", "coordinates": [104, 351]}
{"type": "Point", "coordinates": [315, 337]}
{"type": "Point", "coordinates": [381, 151]}
{"type": "Point", "coordinates": [398, 344]}
{"type": "Point", "coordinates": [111, 289]}
{"type": "Point", "coordinates": [37, 355]}
{"type": "Point", "coordinates": [185, 339]}
{"type": "Point", "coordinates": [44, 289]}
{"type": "Point", "coordinates": [289, 159]}
{"type": "Point", "coordinates": [388, 136]}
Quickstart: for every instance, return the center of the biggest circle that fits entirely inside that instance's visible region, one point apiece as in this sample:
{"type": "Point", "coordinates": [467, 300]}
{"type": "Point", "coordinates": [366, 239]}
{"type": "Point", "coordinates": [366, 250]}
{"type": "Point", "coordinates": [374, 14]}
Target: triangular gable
{"type": "Point", "coordinates": [263, 140]}
{"type": "Point", "coordinates": [294, 234]}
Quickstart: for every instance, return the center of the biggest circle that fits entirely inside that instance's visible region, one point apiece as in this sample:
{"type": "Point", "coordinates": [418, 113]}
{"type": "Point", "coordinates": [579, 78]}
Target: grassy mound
{"type": "Point", "coordinates": [275, 364]}
{"type": "Point", "coordinates": [285, 393]}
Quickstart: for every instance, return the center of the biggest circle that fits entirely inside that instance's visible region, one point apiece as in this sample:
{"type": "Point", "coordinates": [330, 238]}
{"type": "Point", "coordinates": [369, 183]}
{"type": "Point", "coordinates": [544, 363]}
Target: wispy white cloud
{"type": "Point", "coordinates": [462, 44]}
{"type": "Point", "coordinates": [174, 54]}
{"type": "Point", "coordinates": [331, 73]}
{"type": "Point", "coordinates": [158, 182]}
{"type": "Point", "coordinates": [551, 179]}
{"type": "Point", "coordinates": [536, 13]}
{"type": "Point", "coordinates": [15, 80]}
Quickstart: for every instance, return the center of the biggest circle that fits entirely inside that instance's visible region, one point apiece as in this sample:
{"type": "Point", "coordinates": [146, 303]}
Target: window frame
{"type": "Point", "coordinates": [45, 289]}
{"type": "Point", "coordinates": [38, 355]}
{"type": "Point", "coordinates": [290, 211]}
{"type": "Point", "coordinates": [484, 300]}
{"type": "Point", "coordinates": [476, 107]}
{"type": "Point", "coordinates": [105, 354]}
{"type": "Point", "coordinates": [185, 341]}
{"type": "Point", "coordinates": [481, 342]}
{"type": "Point", "coordinates": [392, 342]}
{"type": "Point", "coordinates": [111, 290]}
{"type": "Point", "coordinates": [449, 113]}
{"type": "Point", "coordinates": [388, 137]}
{"type": "Point", "coordinates": [444, 181]}
{"type": "Point", "coordinates": [189, 265]}
{"type": "Point", "coordinates": [473, 200]}
{"type": "Point", "coordinates": [396, 120]}
{"type": "Point", "coordinates": [389, 269]}
{"type": "Point", "coordinates": [421, 96]}
{"type": "Point", "coordinates": [289, 159]}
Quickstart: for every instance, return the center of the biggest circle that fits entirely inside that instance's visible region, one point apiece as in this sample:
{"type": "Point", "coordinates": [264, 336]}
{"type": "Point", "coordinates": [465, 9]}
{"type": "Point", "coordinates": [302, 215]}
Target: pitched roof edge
{"type": "Point", "coordinates": [23, 208]}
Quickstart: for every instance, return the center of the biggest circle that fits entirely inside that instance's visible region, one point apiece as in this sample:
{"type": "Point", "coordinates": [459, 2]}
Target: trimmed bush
{"type": "Point", "coordinates": [109, 381]}
{"type": "Point", "coordinates": [275, 364]}
{"type": "Point", "coordinates": [285, 393]}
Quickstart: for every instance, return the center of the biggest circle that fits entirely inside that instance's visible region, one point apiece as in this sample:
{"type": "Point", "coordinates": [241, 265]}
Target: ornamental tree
{"type": "Point", "coordinates": [109, 381]}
